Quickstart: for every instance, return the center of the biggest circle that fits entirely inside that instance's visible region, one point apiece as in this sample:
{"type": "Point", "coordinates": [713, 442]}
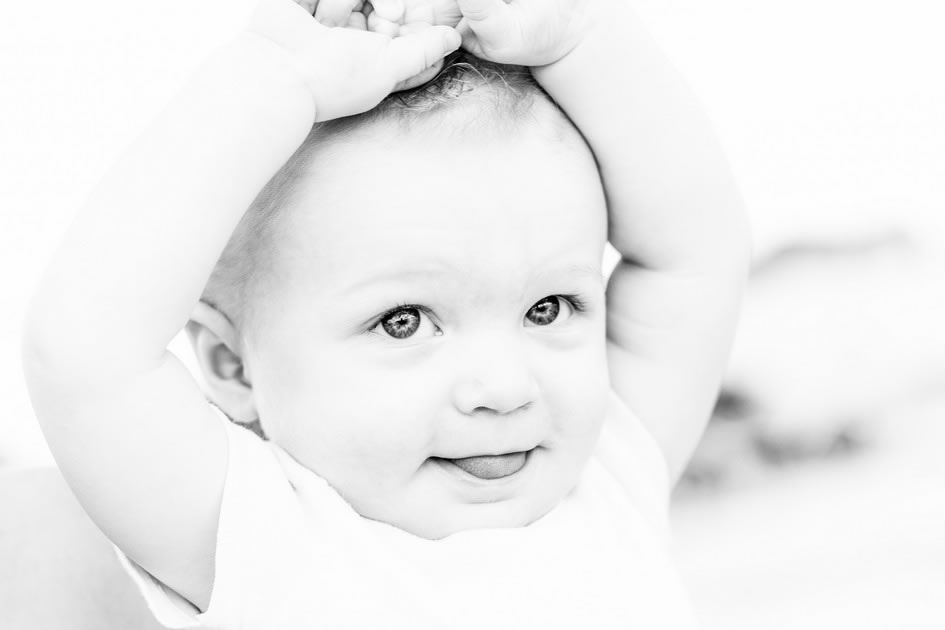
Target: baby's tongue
{"type": "Point", "coordinates": [492, 466]}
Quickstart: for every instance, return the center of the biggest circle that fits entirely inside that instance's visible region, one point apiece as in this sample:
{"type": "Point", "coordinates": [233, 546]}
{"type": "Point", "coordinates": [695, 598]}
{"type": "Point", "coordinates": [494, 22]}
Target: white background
{"type": "Point", "coordinates": [832, 115]}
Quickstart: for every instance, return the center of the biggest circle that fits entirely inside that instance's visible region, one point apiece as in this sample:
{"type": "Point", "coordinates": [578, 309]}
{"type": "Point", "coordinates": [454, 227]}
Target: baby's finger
{"type": "Point", "coordinates": [412, 28]}
{"type": "Point", "coordinates": [420, 79]}
{"type": "Point", "coordinates": [468, 36]}
{"type": "Point", "coordinates": [377, 24]}
{"type": "Point", "coordinates": [414, 53]}
{"type": "Point", "coordinates": [334, 12]}
{"type": "Point", "coordinates": [487, 22]}
{"type": "Point", "coordinates": [390, 10]}
{"type": "Point", "coordinates": [357, 21]}
{"type": "Point", "coordinates": [483, 11]}
{"type": "Point", "coordinates": [308, 5]}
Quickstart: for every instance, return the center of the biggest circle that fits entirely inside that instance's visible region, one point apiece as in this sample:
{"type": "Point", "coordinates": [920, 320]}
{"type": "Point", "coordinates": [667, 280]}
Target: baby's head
{"type": "Point", "coordinates": [420, 284]}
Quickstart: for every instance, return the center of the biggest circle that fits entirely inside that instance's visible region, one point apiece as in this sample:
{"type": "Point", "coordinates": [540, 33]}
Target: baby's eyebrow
{"type": "Point", "coordinates": [424, 272]}
{"type": "Point", "coordinates": [584, 270]}
{"type": "Point", "coordinates": [587, 271]}
{"type": "Point", "coordinates": [403, 275]}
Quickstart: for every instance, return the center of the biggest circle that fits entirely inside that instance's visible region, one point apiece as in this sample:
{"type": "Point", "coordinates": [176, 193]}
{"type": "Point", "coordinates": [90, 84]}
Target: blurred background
{"type": "Point", "coordinates": [817, 498]}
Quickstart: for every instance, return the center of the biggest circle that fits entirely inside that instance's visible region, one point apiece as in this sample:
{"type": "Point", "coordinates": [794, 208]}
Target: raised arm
{"type": "Point", "coordinates": [675, 215]}
{"type": "Point", "coordinates": [127, 425]}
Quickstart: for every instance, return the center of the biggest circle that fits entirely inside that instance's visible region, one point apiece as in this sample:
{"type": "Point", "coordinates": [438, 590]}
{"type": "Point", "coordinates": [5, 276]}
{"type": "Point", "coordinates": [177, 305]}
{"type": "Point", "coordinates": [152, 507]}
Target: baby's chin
{"type": "Point", "coordinates": [449, 504]}
{"type": "Point", "coordinates": [470, 518]}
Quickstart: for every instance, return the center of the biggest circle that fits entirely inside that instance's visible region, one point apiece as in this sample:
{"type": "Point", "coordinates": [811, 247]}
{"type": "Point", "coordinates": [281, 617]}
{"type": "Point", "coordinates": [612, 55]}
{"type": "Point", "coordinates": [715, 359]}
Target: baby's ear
{"type": "Point", "coordinates": [214, 340]}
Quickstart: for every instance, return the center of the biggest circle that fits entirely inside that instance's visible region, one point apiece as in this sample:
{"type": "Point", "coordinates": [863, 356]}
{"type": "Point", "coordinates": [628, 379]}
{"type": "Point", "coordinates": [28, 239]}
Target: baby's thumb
{"type": "Point", "coordinates": [413, 53]}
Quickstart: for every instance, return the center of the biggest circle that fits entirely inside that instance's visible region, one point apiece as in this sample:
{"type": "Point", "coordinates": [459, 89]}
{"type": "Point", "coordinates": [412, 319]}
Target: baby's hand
{"type": "Point", "coordinates": [523, 32]}
{"type": "Point", "coordinates": [348, 70]}
{"type": "Point", "coordinates": [432, 12]}
{"type": "Point", "coordinates": [397, 17]}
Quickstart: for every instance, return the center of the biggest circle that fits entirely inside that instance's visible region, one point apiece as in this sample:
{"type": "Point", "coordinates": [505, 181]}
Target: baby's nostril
{"type": "Point", "coordinates": [492, 411]}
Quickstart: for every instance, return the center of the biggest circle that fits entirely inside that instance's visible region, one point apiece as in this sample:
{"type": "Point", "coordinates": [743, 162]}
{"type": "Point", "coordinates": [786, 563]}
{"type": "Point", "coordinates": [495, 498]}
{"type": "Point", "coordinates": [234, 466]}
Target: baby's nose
{"type": "Point", "coordinates": [495, 376]}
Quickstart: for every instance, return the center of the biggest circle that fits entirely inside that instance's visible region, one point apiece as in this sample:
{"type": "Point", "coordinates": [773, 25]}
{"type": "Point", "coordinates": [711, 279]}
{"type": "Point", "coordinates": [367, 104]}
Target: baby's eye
{"type": "Point", "coordinates": [548, 309]}
{"type": "Point", "coordinates": [405, 322]}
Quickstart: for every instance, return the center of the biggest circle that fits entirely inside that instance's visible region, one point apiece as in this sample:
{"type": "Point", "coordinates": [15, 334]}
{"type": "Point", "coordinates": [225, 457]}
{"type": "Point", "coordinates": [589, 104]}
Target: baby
{"type": "Point", "coordinates": [460, 426]}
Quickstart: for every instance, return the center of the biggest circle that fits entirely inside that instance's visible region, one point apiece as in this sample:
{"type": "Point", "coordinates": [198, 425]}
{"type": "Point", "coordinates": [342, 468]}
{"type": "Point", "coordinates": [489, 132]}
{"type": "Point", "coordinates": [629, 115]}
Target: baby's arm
{"type": "Point", "coordinates": [128, 426]}
{"type": "Point", "coordinates": [675, 214]}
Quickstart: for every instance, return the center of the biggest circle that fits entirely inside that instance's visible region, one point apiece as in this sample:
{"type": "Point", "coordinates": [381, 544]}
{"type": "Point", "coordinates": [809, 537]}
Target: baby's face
{"type": "Point", "coordinates": [433, 346]}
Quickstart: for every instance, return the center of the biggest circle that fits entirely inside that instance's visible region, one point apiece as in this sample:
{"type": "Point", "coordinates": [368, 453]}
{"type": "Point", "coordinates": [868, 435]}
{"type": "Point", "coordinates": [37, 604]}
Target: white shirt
{"type": "Point", "coordinates": [292, 554]}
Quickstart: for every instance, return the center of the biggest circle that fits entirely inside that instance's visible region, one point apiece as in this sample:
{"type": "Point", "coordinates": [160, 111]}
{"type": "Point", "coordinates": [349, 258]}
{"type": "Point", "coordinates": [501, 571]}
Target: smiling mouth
{"type": "Point", "coordinates": [489, 466]}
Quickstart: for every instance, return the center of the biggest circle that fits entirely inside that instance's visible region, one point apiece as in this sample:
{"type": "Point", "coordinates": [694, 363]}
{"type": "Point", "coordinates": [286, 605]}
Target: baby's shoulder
{"type": "Point", "coordinates": [631, 456]}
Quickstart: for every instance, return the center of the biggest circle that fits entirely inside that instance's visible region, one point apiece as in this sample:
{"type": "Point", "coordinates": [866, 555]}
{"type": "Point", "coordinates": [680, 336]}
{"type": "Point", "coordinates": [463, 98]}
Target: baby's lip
{"type": "Point", "coordinates": [490, 466]}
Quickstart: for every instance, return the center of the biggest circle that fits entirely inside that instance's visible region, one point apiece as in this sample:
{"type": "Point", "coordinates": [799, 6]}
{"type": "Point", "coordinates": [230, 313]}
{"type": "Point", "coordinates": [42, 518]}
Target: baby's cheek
{"type": "Point", "coordinates": [581, 392]}
{"type": "Point", "coordinates": [393, 418]}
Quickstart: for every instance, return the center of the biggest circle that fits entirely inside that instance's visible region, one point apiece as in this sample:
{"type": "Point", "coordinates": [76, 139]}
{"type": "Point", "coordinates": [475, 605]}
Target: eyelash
{"type": "Point", "coordinates": [576, 302]}
{"type": "Point", "coordinates": [399, 307]}
{"type": "Point", "coordinates": [579, 305]}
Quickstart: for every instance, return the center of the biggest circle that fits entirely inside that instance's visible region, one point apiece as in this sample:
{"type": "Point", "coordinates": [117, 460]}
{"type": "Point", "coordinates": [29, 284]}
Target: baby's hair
{"type": "Point", "coordinates": [505, 92]}
{"type": "Point", "coordinates": [512, 90]}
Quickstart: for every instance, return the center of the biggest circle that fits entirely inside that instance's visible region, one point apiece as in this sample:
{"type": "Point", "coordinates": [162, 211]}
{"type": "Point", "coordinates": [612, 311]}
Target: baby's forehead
{"type": "Point", "coordinates": [394, 186]}
{"type": "Point", "coordinates": [521, 194]}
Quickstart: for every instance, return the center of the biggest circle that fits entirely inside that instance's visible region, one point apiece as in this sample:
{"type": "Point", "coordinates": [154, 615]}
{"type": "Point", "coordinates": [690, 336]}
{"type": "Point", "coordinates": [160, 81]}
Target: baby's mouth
{"type": "Point", "coordinates": [490, 466]}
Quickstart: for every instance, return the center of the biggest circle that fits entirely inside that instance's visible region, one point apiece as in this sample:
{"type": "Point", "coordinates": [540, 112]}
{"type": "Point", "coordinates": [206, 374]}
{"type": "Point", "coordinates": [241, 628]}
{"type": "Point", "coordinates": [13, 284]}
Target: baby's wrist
{"type": "Point", "coordinates": [594, 45]}
{"type": "Point", "coordinates": [268, 73]}
{"type": "Point", "coordinates": [268, 63]}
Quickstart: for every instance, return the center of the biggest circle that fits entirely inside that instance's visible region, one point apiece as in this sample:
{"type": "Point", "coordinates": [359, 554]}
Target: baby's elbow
{"type": "Point", "coordinates": [50, 357]}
